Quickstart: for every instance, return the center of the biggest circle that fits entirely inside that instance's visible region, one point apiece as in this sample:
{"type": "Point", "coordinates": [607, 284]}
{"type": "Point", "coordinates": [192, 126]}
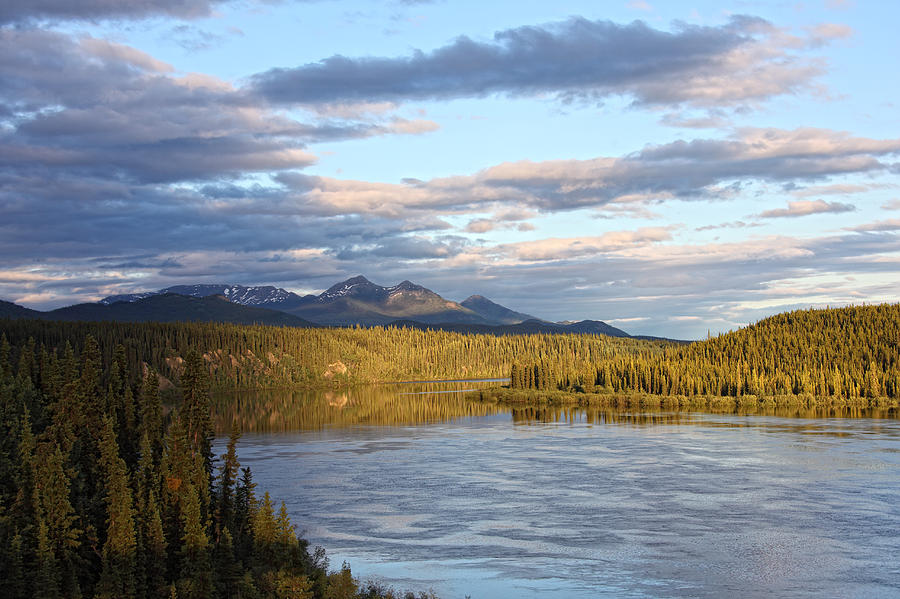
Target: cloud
{"type": "Point", "coordinates": [641, 5]}
{"type": "Point", "coordinates": [16, 11]}
{"type": "Point", "coordinates": [619, 274]}
{"type": "Point", "coordinates": [90, 108]}
{"type": "Point", "coordinates": [195, 39]}
{"type": "Point", "coordinates": [808, 207]}
{"type": "Point", "coordinates": [26, 276]}
{"type": "Point", "coordinates": [97, 109]}
{"type": "Point", "coordinates": [742, 62]}
{"type": "Point", "coordinates": [824, 33]}
{"type": "Point", "coordinates": [838, 189]}
{"type": "Point", "coordinates": [891, 224]}
{"type": "Point", "coordinates": [503, 218]}
{"type": "Point", "coordinates": [697, 169]}
{"type": "Point", "coordinates": [712, 120]}
{"type": "Point", "coordinates": [107, 151]}
{"type": "Point", "coordinates": [480, 225]}
{"type": "Point", "coordinates": [891, 204]}
{"type": "Point", "coordinates": [737, 224]}
{"type": "Point", "coordinates": [551, 249]}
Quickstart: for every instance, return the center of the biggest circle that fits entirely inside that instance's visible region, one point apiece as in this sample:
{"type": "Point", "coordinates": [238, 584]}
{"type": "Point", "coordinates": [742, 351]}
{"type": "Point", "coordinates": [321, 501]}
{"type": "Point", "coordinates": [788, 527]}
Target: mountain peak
{"type": "Point", "coordinates": [352, 287]}
{"type": "Point", "coordinates": [407, 286]}
{"type": "Point", "coordinates": [494, 312]}
{"type": "Point", "coordinates": [357, 280]}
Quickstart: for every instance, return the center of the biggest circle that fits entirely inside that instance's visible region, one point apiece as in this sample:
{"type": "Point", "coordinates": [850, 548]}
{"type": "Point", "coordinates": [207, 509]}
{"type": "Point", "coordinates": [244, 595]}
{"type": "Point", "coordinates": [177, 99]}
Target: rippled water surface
{"type": "Point", "coordinates": [494, 503]}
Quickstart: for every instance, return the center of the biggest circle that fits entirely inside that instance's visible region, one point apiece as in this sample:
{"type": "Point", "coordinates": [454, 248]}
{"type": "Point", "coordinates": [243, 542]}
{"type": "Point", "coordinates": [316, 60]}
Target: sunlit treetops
{"type": "Point", "coordinates": [841, 352]}
{"type": "Point", "coordinates": [103, 495]}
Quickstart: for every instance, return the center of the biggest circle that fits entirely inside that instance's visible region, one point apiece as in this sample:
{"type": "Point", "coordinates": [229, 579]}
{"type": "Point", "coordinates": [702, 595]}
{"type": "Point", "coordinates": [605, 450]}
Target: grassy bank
{"type": "Point", "coordinates": [638, 401]}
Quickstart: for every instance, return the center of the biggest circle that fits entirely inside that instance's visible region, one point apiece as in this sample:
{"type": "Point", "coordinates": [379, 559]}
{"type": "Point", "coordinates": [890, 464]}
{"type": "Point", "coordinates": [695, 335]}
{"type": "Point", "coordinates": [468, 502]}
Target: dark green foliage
{"type": "Point", "coordinates": [117, 578]}
{"type": "Point", "coordinates": [58, 536]}
{"type": "Point", "coordinates": [104, 494]}
{"type": "Point", "coordinates": [225, 497]}
{"type": "Point", "coordinates": [194, 411]}
{"type": "Point", "coordinates": [85, 511]}
{"type": "Point", "coordinates": [848, 354]}
{"type": "Point", "coordinates": [196, 568]}
{"type": "Point", "coordinates": [259, 356]}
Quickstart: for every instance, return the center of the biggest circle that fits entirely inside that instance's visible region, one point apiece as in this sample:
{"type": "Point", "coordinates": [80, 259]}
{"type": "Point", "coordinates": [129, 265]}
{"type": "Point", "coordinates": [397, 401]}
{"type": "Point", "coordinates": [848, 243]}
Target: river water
{"type": "Point", "coordinates": [421, 488]}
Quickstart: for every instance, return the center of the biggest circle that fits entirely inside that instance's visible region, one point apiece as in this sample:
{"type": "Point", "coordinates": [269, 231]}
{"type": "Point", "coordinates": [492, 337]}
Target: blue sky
{"type": "Point", "coordinates": [668, 167]}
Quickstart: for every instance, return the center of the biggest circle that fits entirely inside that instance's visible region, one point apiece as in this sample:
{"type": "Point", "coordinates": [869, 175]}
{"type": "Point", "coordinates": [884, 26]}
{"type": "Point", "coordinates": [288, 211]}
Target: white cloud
{"type": "Point", "coordinates": [806, 208]}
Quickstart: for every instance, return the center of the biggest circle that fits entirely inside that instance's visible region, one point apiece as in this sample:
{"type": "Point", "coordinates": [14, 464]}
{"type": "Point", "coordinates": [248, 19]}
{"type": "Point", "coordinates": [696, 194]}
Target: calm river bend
{"type": "Point", "coordinates": [424, 489]}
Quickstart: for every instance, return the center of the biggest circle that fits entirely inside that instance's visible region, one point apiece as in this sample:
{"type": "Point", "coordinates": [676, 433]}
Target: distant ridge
{"type": "Point", "coordinates": [11, 310]}
{"type": "Point", "coordinates": [265, 296]}
{"type": "Point", "coordinates": [169, 307]}
{"type": "Point", "coordinates": [494, 312]}
{"type": "Point", "coordinates": [529, 327]}
{"type": "Point", "coordinates": [355, 301]}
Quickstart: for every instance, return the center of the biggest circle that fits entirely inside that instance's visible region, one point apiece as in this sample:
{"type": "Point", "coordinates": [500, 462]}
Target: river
{"type": "Point", "coordinates": [423, 488]}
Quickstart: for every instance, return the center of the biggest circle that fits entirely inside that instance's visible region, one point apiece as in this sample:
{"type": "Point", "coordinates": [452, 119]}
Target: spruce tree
{"type": "Point", "coordinates": [228, 474]}
{"type": "Point", "coordinates": [152, 415]}
{"type": "Point", "coordinates": [117, 578]}
{"type": "Point", "coordinates": [58, 536]}
{"type": "Point", "coordinates": [196, 572]}
{"type": "Point", "coordinates": [195, 408]}
{"type": "Point", "coordinates": [154, 545]}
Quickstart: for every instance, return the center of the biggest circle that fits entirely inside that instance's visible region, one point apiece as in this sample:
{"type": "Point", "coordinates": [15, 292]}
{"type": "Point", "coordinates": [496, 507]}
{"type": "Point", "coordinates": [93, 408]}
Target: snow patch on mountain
{"type": "Point", "coordinates": [266, 295]}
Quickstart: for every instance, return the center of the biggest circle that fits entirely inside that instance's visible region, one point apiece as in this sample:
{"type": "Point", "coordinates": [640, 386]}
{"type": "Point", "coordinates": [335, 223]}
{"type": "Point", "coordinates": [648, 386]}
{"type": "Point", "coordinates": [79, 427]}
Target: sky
{"type": "Point", "coordinates": [671, 168]}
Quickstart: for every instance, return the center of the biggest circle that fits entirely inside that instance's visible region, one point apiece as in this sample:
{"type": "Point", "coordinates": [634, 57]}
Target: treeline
{"type": "Point", "coordinates": [251, 357]}
{"type": "Point", "coordinates": [847, 353]}
{"type": "Point", "coordinates": [103, 494]}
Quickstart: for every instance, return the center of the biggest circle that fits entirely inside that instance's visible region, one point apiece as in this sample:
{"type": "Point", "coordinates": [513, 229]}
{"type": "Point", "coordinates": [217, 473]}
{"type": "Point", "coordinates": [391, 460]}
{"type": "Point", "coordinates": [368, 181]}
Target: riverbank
{"type": "Point", "coordinates": [520, 397]}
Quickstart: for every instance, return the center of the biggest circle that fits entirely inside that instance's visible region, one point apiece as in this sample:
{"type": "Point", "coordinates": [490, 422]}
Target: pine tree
{"type": "Point", "coordinates": [341, 584]}
{"type": "Point", "coordinates": [58, 537]}
{"type": "Point", "coordinates": [152, 414]}
{"type": "Point", "coordinates": [117, 578]}
{"type": "Point", "coordinates": [195, 409]}
{"type": "Point", "coordinates": [14, 586]}
{"type": "Point", "coordinates": [245, 506]}
{"type": "Point", "coordinates": [48, 579]}
{"type": "Point", "coordinates": [196, 572]}
{"type": "Point", "coordinates": [154, 563]}
{"type": "Point", "coordinates": [226, 489]}
{"type": "Point", "coordinates": [265, 534]}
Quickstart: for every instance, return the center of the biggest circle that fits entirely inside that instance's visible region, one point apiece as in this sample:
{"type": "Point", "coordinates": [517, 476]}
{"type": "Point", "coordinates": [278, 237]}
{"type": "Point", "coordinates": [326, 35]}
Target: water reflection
{"type": "Point", "coordinates": [596, 415]}
{"type": "Point", "coordinates": [282, 410]}
{"type": "Point", "coordinates": [572, 503]}
{"type": "Point", "coordinates": [419, 403]}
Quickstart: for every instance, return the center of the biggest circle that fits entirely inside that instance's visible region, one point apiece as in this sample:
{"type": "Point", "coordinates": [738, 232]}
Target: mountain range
{"type": "Point", "coordinates": [167, 307]}
{"type": "Point", "coordinates": [354, 301]}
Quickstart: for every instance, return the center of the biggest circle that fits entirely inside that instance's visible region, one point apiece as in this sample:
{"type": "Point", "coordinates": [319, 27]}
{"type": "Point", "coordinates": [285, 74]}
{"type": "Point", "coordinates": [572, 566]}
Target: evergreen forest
{"type": "Point", "coordinates": [106, 492]}
{"type": "Point", "coordinates": [253, 357]}
{"type": "Point", "coordinates": [844, 356]}
{"type": "Point", "coordinates": [109, 486]}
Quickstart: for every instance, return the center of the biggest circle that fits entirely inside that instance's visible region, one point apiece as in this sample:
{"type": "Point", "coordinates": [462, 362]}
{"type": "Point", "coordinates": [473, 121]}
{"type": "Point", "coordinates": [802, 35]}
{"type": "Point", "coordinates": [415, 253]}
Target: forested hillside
{"type": "Point", "coordinates": [847, 353]}
{"type": "Point", "coordinates": [103, 494]}
{"type": "Point", "coordinates": [261, 356]}
{"type": "Point", "coordinates": [843, 352]}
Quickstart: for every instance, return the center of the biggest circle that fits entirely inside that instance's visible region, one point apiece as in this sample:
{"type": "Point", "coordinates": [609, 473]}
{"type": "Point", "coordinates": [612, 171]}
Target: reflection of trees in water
{"type": "Point", "coordinates": [806, 417]}
{"type": "Point", "coordinates": [286, 410]}
{"type": "Point", "coordinates": [420, 403]}
{"type": "Point", "coordinates": [336, 400]}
